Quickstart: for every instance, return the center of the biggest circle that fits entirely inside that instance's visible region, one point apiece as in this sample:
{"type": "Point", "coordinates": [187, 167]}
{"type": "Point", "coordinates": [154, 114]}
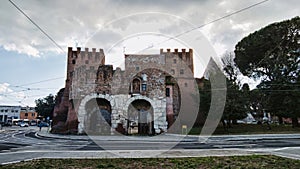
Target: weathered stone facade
{"type": "Point", "coordinates": [146, 95]}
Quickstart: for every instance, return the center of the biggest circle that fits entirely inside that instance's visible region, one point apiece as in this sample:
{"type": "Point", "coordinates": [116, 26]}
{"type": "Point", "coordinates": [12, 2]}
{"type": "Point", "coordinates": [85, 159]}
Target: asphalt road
{"type": "Point", "coordinates": [18, 144]}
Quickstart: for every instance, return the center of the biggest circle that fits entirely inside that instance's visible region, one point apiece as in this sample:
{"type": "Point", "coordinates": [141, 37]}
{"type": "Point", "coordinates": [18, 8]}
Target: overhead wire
{"type": "Point", "coordinates": [49, 37]}
{"type": "Point", "coordinates": [42, 81]}
{"type": "Point", "coordinates": [28, 89]}
{"type": "Point", "coordinates": [205, 24]}
{"type": "Point", "coordinates": [35, 24]}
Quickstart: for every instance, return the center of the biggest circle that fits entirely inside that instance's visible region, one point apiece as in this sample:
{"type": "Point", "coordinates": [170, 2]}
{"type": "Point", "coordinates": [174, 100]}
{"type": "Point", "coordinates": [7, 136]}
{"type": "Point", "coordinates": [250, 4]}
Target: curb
{"type": "Point", "coordinates": [184, 138]}
{"type": "Point", "coordinates": [38, 134]}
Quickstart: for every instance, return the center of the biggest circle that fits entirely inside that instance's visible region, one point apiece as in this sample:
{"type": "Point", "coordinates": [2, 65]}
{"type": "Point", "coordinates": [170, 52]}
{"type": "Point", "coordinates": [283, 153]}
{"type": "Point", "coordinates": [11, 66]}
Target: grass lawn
{"type": "Point", "coordinates": [253, 161]}
{"type": "Point", "coordinates": [251, 129]}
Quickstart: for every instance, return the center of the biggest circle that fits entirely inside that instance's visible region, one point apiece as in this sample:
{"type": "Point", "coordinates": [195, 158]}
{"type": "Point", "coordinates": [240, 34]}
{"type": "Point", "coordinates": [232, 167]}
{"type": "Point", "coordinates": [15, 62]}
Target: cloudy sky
{"type": "Point", "coordinates": [32, 66]}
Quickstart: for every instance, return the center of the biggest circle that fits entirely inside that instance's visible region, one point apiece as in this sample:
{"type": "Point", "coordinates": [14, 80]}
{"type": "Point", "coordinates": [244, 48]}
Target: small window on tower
{"type": "Point", "coordinates": [73, 61]}
{"type": "Point", "coordinates": [185, 85]}
{"type": "Point", "coordinates": [174, 61]}
{"type": "Point", "coordinates": [144, 87]}
{"type": "Point", "coordinates": [181, 71]}
{"type": "Point", "coordinates": [167, 92]}
{"type": "Point", "coordinates": [26, 114]}
{"type": "Point", "coordinates": [86, 62]}
{"type": "Point", "coordinates": [71, 74]}
{"type": "Point", "coordinates": [137, 68]}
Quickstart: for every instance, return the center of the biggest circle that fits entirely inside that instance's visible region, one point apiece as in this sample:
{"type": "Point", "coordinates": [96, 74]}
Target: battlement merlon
{"type": "Point", "coordinates": [78, 49]}
{"type": "Point", "coordinates": [176, 51]}
{"type": "Point", "coordinates": [81, 55]}
{"type": "Point", "coordinates": [186, 56]}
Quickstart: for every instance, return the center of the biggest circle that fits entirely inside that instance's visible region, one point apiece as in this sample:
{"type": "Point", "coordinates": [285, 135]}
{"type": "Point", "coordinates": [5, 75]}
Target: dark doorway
{"type": "Point", "coordinates": [140, 118]}
{"type": "Point", "coordinates": [98, 121]}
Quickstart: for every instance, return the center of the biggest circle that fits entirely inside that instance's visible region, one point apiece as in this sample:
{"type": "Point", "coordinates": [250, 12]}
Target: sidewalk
{"type": "Point", "coordinates": [157, 138]}
{"type": "Point", "coordinates": [168, 137]}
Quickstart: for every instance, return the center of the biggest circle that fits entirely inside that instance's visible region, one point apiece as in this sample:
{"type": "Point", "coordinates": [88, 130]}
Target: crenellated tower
{"type": "Point", "coordinates": [179, 60]}
{"type": "Point", "coordinates": [82, 76]}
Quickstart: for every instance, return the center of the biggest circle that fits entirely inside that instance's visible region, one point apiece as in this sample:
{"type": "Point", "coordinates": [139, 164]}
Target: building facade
{"type": "Point", "coordinates": [8, 113]}
{"type": "Point", "coordinates": [28, 113]}
{"type": "Point", "coordinates": [146, 97]}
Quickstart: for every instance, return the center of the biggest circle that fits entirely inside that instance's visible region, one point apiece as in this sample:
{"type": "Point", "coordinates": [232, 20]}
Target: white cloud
{"type": "Point", "coordinates": [4, 88]}
{"type": "Point", "coordinates": [222, 3]}
{"type": "Point", "coordinates": [63, 21]}
{"type": "Point", "coordinates": [9, 96]}
{"type": "Point", "coordinates": [244, 26]}
{"type": "Point", "coordinates": [29, 50]}
{"type": "Point", "coordinates": [22, 49]}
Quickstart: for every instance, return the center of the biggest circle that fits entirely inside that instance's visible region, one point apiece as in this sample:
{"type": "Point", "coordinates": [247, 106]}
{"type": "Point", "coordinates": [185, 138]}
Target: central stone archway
{"type": "Point", "coordinates": [156, 112]}
{"type": "Point", "coordinates": [140, 118]}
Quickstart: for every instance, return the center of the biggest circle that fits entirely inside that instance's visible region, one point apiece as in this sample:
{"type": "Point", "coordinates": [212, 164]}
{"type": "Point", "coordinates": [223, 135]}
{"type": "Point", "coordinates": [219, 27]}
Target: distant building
{"type": "Point", "coordinates": [8, 113]}
{"type": "Point", "coordinates": [28, 113]}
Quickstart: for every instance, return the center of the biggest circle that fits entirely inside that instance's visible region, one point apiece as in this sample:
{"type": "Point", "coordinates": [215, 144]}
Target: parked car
{"type": "Point", "coordinates": [43, 124]}
{"type": "Point", "coordinates": [23, 124]}
{"type": "Point", "coordinates": [253, 122]}
{"type": "Point", "coordinates": [33, 123]}
{"type": "Point", "coordinates": [7, 124]}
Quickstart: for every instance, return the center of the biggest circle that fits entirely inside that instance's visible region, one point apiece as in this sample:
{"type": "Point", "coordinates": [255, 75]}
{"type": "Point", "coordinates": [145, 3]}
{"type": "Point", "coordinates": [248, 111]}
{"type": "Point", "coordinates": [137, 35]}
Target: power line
{"type": "Point", "coordinates": [13, 96]}
{"type": "Point", "coordinates": [27, 89]}
{"type": "Point", "coordinates": [263, 89]}
{"type": "Point", "coordinates": [14, 100]}
{"type": "Point", "coordinates": [205, 24]}
{"type": "Point", "coordinates": [42, 81]}
{"type": "Point", "coordinates": [37, 95]}
{"type": "Point", "coordinates": [48, 36]}
{"type": "Point", "coordinates": [31, 88]}
{"type": "Point", "coordinates": [12, 93]}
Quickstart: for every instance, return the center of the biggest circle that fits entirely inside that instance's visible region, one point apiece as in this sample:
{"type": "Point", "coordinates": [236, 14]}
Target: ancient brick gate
{"type": "Point", "coordinates": [96, 92]}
